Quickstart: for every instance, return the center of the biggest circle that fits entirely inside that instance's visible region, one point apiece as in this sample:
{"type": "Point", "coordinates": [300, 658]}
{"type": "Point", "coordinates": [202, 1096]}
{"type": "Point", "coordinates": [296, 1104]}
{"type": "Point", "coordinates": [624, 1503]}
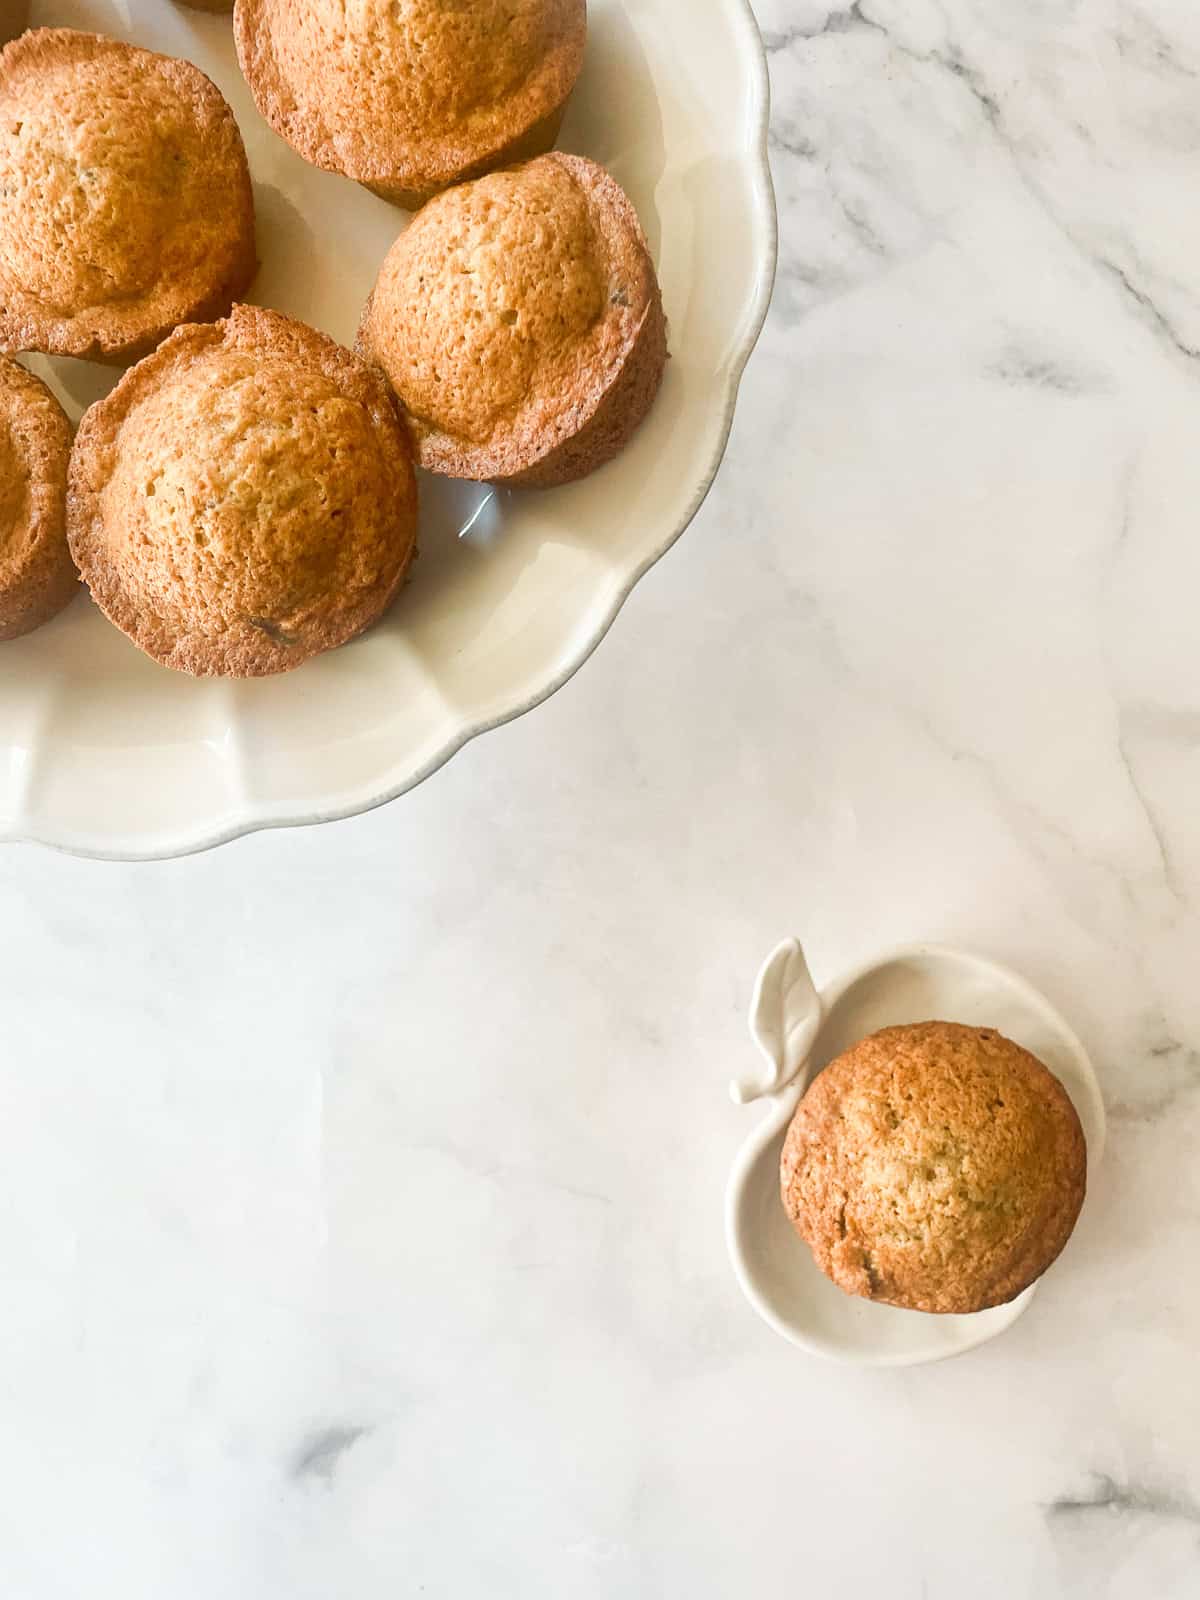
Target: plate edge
{"type": "Point", "coordinates": [244, 824]}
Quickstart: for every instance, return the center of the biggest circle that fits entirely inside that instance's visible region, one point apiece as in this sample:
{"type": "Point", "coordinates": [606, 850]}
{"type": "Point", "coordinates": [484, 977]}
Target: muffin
{"type": "Point", "coordinates": [125, 201]}
{"type": "Point", "coordinates": [936, 1167]}
{"type": "Point", "coordinates": [520, 321]}
{"type": "Point", "coordinates": [244, 498]}
{"type": "Point", "coordinates": [37, 575]}
{"type": "Point", "coordinates": [410, 96]}
{"type": "Point", "coordinates": [14, 20]}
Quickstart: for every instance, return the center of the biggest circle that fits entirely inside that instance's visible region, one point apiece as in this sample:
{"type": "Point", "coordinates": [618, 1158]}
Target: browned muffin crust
{"type": "Point", "coordinates": [125, 199]}
{"type": "Point", "coordinates": [14, 19]}
{"type": "Point", "coordinates": [244, 498]}
{"type": "Point", "coordinates": [37, 575]}
{"type": "Point", "coordinates": [411, 96]}
{"type": "Point", "coordinates": [519, 319]}
{"type": "Point", "coordinates": [935, 1166]}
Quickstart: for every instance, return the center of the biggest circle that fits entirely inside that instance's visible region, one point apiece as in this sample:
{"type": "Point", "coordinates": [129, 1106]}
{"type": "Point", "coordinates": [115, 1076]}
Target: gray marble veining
{"type": "Point", "coordinates": [361, 1201]}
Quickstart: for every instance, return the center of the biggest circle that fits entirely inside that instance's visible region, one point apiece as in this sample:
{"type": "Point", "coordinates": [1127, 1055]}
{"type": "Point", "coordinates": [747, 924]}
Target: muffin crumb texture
{"type": "Point", "coordinates": [935, 1166]}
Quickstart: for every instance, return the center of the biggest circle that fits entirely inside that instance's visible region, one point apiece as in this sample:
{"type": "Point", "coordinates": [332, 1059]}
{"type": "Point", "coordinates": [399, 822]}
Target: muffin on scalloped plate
{"type": "Point", "coordinates": [411, 96]}
{"type": "Point", "coordinates": [519, 319]}
{"type": "Point", "coordinates": [37, 575]}
{"type": "Point", "coordinates": [125, 199]}
{"type": "Point", "coordinates": [244, 498]}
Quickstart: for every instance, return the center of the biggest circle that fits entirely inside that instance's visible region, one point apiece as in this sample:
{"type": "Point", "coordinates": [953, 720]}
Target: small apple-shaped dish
{"type": "Point", "coordinates": [800, 1031]}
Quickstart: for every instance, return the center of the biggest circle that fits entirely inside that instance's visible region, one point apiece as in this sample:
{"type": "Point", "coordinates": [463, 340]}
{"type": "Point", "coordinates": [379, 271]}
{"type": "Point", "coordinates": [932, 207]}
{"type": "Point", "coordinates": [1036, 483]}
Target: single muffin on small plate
{"type": "Point", "coordinates": [936, 1167]}
{"type": "Point", "coordinates": [411, 96]}
{"type": "Point", "coordinates": [519, 319]}
{"type": "Point", "coordinates": [125, 199]}
{"type": "Point", "coordinates": [37, 575]}
{"type": "Point", "coordinates": [244, 498]}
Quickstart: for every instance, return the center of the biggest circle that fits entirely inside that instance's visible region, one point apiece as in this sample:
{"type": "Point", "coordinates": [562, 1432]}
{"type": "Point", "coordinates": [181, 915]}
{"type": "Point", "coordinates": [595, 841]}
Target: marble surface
{"type": "Point", "coordinates": [360, 1204]}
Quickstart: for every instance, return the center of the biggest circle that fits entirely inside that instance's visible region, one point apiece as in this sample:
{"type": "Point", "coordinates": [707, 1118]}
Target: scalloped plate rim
{"type": "Point", "coordinates": [195, 840]}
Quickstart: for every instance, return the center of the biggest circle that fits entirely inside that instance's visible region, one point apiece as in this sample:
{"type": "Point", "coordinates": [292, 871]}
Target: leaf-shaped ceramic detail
{"type": "Point", "coordinates": [785, 1017]}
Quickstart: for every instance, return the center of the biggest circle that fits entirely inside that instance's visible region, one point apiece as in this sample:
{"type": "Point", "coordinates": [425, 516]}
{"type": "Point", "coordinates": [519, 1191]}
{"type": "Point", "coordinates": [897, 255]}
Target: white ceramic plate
{"type": "Point", "coordinates": [104, 753]}
{"type": "Point", "coordinates": [802, 1032]}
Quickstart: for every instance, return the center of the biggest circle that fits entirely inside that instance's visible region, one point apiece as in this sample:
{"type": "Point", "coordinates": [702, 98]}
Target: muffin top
{"type": "Point", "coordinates": [244, 498]}
{"type": "Point", "coordinates": [408, 93]}
{"type": "Point", "coordinates": [935, 1166]}
{"type": "Point", "coordinates": [37, 576]}
{"type": "Point", "coordinates": [125, 200]}
{"type": "Point", "coordinates": [506, 310]}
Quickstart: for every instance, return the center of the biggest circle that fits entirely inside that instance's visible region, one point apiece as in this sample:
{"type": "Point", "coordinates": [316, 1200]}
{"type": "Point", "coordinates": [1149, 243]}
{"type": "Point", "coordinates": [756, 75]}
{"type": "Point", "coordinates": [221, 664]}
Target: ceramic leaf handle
{"type": "Point", "coordinates": [785, 1015]}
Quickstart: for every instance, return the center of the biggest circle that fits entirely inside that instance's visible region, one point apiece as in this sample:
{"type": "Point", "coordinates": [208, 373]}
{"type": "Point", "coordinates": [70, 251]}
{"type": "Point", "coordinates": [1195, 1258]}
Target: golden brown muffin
{"type": "Point", "coordinates": [14, 18]}
{"type": "Point", "coordinates": [244, 498]}
{"type": "Point", "coordinates": [37, 575]}
{"type": "Point", "coordinates": [125, 201]}
{"type": "Point", "coordinates": [935, 1166]}
{"type": "Point", "coordinates": [519, 319]}
{"type": "Point", "coordinates": [410, 96]}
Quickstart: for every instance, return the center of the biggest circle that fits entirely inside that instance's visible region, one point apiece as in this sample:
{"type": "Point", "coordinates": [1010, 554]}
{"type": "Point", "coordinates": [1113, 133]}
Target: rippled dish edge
{"type": "Point", "coordinates": [254, 820]}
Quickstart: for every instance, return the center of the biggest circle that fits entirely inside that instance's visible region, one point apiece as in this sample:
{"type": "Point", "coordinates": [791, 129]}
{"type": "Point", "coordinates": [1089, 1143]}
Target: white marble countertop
{"type": "Point", "coordinates": [360, 1204]}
